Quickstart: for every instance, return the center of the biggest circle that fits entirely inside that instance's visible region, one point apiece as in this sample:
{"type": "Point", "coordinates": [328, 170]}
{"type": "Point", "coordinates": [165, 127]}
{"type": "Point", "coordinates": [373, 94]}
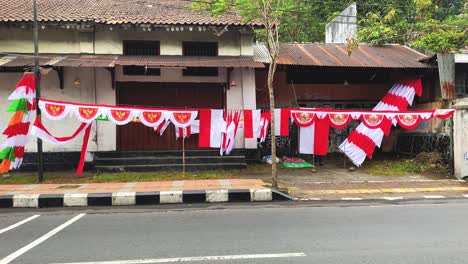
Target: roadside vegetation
{"type": "Point", "coordinates": [424, 163]}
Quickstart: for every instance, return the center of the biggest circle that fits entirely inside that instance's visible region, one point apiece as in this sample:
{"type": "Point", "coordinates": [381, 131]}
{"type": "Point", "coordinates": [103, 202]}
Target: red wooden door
{"type": "Point", "coordinates": [136, 136]}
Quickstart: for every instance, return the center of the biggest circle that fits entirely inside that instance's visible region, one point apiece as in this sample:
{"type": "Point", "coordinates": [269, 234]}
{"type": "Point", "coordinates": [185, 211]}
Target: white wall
{"type": "Point", "coordinates": [170, 75]}
{"type": "Point", "coordinates": [460, 134]}
{"type": "Point", "coordinates": [84, 92]}
{"type": "Point", "coordinates": [242, 96]}
{"type": "Point", "coordinates": [61, 41]}
{"type": "Point", "coordinates": [106, 131]}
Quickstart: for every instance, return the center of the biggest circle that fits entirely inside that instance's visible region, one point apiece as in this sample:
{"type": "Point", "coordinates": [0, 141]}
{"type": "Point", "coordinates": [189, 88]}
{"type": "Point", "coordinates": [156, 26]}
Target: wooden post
{"type": "Point", "coordinates": [183, 156]}
{"type": "Point", "coordinates": [40, 160]}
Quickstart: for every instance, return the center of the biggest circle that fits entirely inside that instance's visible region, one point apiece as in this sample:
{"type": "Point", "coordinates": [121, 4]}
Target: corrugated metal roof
{"type": "Point", "coordinates": [125, 60]}
{"type": "Point", "coordinates": [190, 61]}
{"type": "Point", "coordinates": [335, 55]}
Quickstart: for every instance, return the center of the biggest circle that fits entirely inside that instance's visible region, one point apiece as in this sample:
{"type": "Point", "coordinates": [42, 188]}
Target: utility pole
{"type": "Point", "coordinates": [40, 167]}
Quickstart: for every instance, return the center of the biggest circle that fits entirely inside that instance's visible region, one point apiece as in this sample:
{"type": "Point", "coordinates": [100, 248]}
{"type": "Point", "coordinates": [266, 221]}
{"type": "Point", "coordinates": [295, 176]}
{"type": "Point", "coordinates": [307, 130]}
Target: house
{"type": "Point", "coordinates": [325, 75]}
{"type": "Point", "coordinates": [163, 54]}
{"type": "Point", "coordinates": [142, 53]}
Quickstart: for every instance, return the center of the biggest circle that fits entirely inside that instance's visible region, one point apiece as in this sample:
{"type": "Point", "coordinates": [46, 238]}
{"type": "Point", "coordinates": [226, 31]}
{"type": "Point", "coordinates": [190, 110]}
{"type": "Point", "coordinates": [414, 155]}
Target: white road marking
{"type": "Point", "coordinates": [434, 197]}
{"type": "Point", "coordinates": [393, 198]}
{"type": "Point", "coordinates": [191, 259]}
{"type": "Point", "coordinates": [38, 241]}
{"type": "Point", "coordinates": [351, 199]}
{"type": "Point", "coordinates": [18, 224]}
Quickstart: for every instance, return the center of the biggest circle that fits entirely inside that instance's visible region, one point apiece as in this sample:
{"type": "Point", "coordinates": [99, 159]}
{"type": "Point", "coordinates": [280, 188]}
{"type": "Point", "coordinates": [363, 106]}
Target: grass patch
{"type": "Point", "coordinates": [159, 176]}
{"type": "Point", "coordinates": [71, 178]}
{"type": "Point", "coordinates": [396, 167]}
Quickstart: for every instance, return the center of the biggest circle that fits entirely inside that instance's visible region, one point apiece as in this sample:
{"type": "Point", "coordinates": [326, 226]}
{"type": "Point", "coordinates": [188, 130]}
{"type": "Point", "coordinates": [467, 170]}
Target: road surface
{"type": "Point", "coordinates": [414, 233]}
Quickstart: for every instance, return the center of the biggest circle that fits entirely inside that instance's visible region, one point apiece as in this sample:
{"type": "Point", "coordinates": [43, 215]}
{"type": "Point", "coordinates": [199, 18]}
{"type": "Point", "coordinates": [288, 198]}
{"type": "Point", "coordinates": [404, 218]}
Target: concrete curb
{"type": "Point", "coordinates": [140, 198]}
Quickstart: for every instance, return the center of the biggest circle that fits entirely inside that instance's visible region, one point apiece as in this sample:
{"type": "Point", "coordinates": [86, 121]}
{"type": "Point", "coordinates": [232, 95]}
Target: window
{"type": "Point", "coordinates": [141, 70]}
{"type": "Point", "coordinates": [141, 47]}
{"type": "Point", "coordinates": [461, 84]}
{"type": "Point", "coordinates": [190, 48]}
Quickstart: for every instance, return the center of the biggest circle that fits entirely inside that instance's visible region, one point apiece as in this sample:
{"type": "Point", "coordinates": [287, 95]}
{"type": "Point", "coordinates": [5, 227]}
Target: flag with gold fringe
{"type": "Point", "coordinates": [23, 107]}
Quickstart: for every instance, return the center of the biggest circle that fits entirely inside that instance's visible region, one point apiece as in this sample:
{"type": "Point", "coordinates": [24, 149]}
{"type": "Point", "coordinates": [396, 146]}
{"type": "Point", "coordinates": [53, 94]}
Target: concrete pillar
{"type": "Point", "coordinates": [460, 134]}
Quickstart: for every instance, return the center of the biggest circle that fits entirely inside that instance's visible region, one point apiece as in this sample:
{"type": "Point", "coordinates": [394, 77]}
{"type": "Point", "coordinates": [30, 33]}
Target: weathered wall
{"type": "Point", "coordinates": [105, 94]}
{"type": "Point", "coordinates": [285, 93]}
{"type": "Point", "coordinates": [242, 96]}
{"type": "Point", "coordinates": [170, 75]}
{"type": "Point", "coordinates": [460, 150]}
{"type": "Point", "coordinates": [84, 92]}
{"type": "Point", "coordinates": [231, 43]}
{"type": "Point", "coordinates": [342, 26]}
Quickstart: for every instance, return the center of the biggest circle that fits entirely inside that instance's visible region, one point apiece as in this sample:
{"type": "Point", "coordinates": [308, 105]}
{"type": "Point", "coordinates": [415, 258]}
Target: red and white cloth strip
{"type": "Point", "coordinates": [185, 132]}
{"type": "Point", "coordinates": [363, 140]}
{"type": "Point", "coordinates": [232, 119]}
{"type": "Point", "coordinates": [256, 123]}
{"type": "Point", "coordinates": [212, 125]}
{"type": "Point", "coordinates": [185, 123]}
{"type": "Point", "coordinates": [38, 130]}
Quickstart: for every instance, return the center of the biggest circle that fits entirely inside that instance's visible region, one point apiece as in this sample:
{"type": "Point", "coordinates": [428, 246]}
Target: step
{"type": "Point", "coordinates": [172, 167]}
{"type": "Point", "coordinates": [163, 153]}
{"type": "Point", "coordinates": [53, 166]}
{"type": "Point", "coordinates": [168, 160]}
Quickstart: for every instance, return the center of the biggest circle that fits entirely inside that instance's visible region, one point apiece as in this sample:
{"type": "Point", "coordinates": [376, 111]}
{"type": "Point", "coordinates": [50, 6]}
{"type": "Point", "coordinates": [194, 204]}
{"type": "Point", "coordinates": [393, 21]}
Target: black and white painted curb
{"type": "Point", "coordinates": [140, 198]}
{"type": "Point", "coordinates": [384, 198]}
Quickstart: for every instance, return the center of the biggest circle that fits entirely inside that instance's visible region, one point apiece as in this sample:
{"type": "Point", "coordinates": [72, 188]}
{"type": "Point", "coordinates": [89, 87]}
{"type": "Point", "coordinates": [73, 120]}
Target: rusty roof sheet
{"type": "Point", "coordinates": [190, 61]}
{"type": "Point", "coordinates": [113, 12]}
{"type": "Point", "coordinates": [126, 60]}
{"type": "Point", "coordinates": [335, 55]}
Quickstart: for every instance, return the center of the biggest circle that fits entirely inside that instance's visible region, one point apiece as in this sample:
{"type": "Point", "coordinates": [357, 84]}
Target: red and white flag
{"type": "Point", "coordinates": [252, 123]}
{"type": "Point", "coordinates": [313, 134]}
{"type": "Point", "coordinates": [282, 121]}
{"type": "Point", "coordinates": [212, 125]}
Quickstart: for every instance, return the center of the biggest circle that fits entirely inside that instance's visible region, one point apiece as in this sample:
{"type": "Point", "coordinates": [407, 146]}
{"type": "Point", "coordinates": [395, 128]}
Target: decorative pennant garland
{"type": "Point", "coordinates": [23, 109]}
{"type": "Point", "coordinates": [339, 121]}
{"type": "Point", "coordinates": [303, 119]}
{"type": "Point", "coordinates": [183, 122]}
{"type": "Point", "coordinates": [373, 120]}
{"type": "Point", "coordinates": [152, 118]}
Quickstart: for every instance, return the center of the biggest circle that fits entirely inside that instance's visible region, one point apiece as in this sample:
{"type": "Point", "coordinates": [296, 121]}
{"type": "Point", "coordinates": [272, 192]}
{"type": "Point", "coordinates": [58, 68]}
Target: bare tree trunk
{"type": "Point", "coordinates": [271, 27]}
{"type": "Point", "coordinates": [274, 172]}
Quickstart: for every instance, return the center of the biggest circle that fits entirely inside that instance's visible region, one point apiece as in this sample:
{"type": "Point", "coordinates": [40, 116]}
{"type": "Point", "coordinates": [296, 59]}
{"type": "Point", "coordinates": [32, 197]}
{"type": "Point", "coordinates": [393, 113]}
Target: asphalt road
{"type": "Point", "coordinates": [417, 233]}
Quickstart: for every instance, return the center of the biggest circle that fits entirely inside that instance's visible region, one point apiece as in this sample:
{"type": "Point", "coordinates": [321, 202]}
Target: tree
{"type": "Point", "coordinates": [435, 25]}
{"type": "Point", "coordinates": [272, 14]}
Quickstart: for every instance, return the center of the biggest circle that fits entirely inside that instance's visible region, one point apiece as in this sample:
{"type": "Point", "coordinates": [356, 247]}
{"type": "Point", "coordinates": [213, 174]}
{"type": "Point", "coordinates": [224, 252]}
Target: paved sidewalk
{"type": "Point", "coordinates": [133, 186]}
{"type": "Point", "coordinates": [388, 190]}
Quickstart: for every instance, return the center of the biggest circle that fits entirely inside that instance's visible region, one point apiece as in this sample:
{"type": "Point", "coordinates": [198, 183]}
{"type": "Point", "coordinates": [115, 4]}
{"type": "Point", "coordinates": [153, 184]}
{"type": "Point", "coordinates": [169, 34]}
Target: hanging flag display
{"type": "Point", "coordinates": [23, 108]}
{"type": "Point", "coordinates": [359, 144]}
{"type": "Point", "coordinates": [218, 128]}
